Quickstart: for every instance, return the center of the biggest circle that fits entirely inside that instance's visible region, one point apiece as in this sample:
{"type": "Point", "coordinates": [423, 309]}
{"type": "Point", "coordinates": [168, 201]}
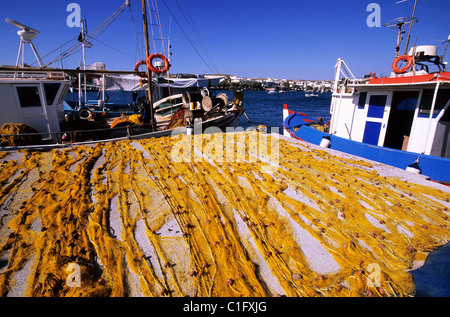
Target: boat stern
{"type": "Point", "coordinates": [286, 113]}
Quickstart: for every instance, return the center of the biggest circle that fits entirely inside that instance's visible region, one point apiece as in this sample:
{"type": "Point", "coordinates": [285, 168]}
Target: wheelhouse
{"type": "Point", "coordinates": [35, 100]}
{"type": "Point", "coordinates": [409, 113]}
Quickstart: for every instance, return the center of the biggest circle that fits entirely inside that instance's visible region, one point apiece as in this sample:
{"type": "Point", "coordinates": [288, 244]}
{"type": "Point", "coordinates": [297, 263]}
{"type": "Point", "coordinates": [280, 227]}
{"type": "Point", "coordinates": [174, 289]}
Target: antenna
{"type": "Point", "coordinates": [26, 34]}
{"type": "Point", "coordinates": [445, 52]}
{"type": "Point", "coordinates": [398, 23]}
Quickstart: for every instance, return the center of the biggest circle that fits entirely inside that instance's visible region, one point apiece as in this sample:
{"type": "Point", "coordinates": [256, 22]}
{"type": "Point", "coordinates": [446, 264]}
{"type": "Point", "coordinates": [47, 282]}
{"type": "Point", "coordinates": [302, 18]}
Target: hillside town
{"type": "Point", "coordinates": [234, 82]}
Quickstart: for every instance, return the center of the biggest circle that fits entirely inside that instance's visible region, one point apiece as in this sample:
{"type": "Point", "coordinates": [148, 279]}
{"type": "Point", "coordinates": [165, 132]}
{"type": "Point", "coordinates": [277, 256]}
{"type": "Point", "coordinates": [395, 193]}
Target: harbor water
{"type": "Point", "coordinates": [261, 108]}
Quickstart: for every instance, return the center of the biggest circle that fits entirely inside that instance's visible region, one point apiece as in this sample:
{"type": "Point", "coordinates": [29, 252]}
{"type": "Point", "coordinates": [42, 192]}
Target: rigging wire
{"type": "Point", "coordinates": [188, 39]}
{"type": "Point", "coordinates": [194, 29]}
{"type": "Point", "coordinates": [135, 35]}
{"type": "Point", "coordinates": [160, 27]}
{"type": "Point", "coordinates": [151, 10]}
{"type": "Point", "coordinates": [93, 35]}
{"type": "Point", "coordinates": [116, 49]}
{"type": "Point", "coordinates": [155, 21]}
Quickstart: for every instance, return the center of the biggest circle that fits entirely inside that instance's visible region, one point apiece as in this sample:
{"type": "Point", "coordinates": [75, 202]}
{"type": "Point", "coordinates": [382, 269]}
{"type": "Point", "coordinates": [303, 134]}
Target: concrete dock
{"type": "Point", "coordinates": [242, 214]}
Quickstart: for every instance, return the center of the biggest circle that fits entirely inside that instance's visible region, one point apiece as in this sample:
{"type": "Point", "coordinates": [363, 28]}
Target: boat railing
{"type": "Point", "coordinates": [33, 75]}
{"type": "Point", "coordinates": [12, 72]}
{"type": "Point", "coordinates": [75, 137]}
{"type": "Point", "coordinates": [341, 68]}
{"type": "Point", "coordinates": [80, 134]}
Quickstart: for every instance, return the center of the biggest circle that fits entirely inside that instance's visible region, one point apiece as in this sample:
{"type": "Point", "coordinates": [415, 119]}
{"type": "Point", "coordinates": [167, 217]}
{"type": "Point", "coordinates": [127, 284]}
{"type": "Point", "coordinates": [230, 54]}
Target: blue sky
{"type": "Point", "coordinates": [292, 39]}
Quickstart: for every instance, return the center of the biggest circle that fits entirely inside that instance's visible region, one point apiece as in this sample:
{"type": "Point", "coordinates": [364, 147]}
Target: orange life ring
{"type": "Point", "coordinates": [136, 69]}
{"type": "Point", "coordinates": [156, 70]}
{"type": "Point", "coordinates": [406, 58]}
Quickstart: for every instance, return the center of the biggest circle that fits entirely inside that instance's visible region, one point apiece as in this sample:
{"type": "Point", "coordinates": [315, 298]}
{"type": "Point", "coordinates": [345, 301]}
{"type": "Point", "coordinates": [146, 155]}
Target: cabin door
{"type": "Point", "coordinates": [378, 106]}
{"type": "Point", "coordinates": [401, 118]}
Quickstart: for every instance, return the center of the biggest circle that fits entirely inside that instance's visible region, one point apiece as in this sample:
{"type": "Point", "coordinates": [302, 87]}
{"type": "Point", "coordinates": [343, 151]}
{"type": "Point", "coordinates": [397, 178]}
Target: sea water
{"type": "Point", "coordinates": [261, 108]}
{"type": "Point", "coordinates": [267, 109]}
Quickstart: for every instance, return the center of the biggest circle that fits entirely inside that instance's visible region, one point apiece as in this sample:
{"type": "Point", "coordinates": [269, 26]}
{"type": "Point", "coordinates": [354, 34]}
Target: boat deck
{"type": "Point", "coordinates": [242, 214]}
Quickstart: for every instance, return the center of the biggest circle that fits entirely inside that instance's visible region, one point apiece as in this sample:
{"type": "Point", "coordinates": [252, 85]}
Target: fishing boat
{"type": "Point", "coordinates": [402, 120]}
{"type": "Point", "coordinates": [33, 112]}
{"type": "Point", "coordinates": [35, 98]}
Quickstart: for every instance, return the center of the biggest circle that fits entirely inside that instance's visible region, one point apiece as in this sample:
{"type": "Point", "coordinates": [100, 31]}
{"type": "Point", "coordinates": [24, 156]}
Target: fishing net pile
{"type": "Point", "coordinates": [135, 119]}
{"type": "Point", "coordinates": [243, 214]}
{"type": "Point", "coordinates": [15, 134]}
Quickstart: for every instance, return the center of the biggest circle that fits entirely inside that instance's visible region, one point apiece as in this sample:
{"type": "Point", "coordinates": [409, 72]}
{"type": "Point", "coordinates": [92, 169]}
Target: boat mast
{"type": "Point", "coordinates": [147, 54]}
{"type": "Point", "coordinates": [410, 26]}
{"type": "Point", "coordinates": [83, 45]}
{"type": "Point", "coordinates": [82, 39]}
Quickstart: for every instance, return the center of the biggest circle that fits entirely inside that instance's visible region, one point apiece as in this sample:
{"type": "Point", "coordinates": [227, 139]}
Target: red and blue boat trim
{"type": "Point", "coordinates": [298, 125]}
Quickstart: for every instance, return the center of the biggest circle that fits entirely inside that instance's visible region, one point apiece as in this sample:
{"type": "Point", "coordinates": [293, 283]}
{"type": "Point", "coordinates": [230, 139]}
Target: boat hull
{"type": "Point", "coordinates": [211, 125]}
{"type": "Point", "coordinates": [297, 125]}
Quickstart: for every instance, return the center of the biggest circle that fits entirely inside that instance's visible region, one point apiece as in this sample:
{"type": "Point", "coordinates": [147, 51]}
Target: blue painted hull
{"type": "Point", "coordinates": [437, 168]}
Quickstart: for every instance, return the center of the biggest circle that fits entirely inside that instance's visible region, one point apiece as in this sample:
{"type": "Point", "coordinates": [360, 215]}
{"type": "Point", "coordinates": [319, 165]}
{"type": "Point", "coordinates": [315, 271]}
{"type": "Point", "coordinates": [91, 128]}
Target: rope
{"type": "Point", "coordinates": [246, 117]}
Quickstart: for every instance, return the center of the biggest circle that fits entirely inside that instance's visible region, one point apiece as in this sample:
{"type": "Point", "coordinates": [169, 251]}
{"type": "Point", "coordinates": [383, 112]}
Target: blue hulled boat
{"type": "Point", "coordinates": [402, 120]}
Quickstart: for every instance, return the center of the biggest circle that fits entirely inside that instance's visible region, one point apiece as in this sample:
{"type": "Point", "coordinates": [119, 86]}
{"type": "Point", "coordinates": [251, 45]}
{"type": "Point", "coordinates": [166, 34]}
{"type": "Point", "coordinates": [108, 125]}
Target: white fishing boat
{"type": "Point", "coordinates": [273, 91]}
{"type": "Point", "coordinates": [401, 120]}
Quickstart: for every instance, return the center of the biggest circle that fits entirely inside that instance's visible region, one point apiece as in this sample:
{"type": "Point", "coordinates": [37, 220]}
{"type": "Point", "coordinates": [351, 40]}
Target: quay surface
{"type": "Point", "coordinates": [243, 214]}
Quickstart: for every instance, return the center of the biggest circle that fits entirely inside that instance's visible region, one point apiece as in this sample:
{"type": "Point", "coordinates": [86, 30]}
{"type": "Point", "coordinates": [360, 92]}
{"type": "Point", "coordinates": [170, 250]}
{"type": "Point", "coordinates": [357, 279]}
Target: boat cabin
{"type": "Point", "coordinates": [408, 112]}
{"type": "Point", "coordinates": [35, 99]}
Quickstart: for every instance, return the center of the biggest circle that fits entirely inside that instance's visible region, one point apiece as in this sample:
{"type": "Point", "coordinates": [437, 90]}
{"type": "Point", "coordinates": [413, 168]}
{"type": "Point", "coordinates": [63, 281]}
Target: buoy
{"type": "Point", "coordinates": [85, 114]}
{"type": "Point", "coordinates": [136, 69]}
{"type": "Point", "coordinates": [326, 142]}
{"type": "Point", "coordinates": [414, 168]}
{"type": "Point", "coordinates": [406, 58]}
{"type": "Point", "coordinates": [189, 130]}
{"type": "Point", "coordinates": [156, 70]}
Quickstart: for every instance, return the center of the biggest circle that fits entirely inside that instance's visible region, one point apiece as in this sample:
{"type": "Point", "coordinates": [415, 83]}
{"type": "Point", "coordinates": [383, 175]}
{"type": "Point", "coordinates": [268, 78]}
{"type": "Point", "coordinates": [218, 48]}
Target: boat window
{"type": "Point", "coordinates": [376, 106]}
{"type": "Point", "coordinates": [63, 94]}
{"type": "Point", "coordinates": [29, 96]}
{"type": "Point", "coordinates": [446, 116]}
{"type": "Point", "coordinates": [405, 101]}
{"type": "Point", "coordinates": [362, 99]}
{"type": "Point", "coordinates": [442, 98]}
{"type": "Point", "coordinates": [51, 90]}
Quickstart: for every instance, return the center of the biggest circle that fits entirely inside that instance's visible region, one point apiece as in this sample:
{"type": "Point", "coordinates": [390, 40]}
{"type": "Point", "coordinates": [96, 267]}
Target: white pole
{"type": "Point", "coordinates": [431, 116]}
{"type": "Point", "coordinates": [18, 54]}
{"type": "Point", "coordinates": [337, 73]}
{"type": "Point", "coordinates": [36, 54]}
{"type": "Point", "coordinates": [23, 54]}
{"type": "Point", "coordinates": [84, 57]}
{"type": "Point", "coordinates": [79, 90]}
{"type": "Point", "coordinates": [103, 87]}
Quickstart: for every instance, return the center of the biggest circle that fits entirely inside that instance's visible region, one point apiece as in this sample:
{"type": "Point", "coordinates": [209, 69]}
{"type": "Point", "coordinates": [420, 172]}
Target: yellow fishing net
{"type": "Point", "coordinates": [12, 134]}
{"type": "Point", "coordinates": [135, 119]}
{"type": "Point", "coordinates": [211, 215]}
